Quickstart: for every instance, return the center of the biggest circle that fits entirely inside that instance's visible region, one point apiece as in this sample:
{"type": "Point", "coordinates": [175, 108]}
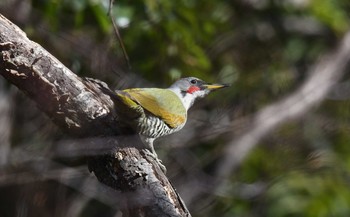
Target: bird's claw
{"type": "Point", "coordinates": [161, 165]}
{"type": "Point", "coordinates": [159, 161]}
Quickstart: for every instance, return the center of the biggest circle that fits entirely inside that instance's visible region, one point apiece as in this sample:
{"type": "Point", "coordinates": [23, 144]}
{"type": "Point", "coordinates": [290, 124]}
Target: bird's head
{"type": "Point", "coordinates": [191, 88]}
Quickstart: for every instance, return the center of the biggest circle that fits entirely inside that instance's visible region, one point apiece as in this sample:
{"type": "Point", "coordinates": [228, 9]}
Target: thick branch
{"type": "Point", "coordinates": [83, 109]}
{"type": "Point", "coordinates": [72, 103]}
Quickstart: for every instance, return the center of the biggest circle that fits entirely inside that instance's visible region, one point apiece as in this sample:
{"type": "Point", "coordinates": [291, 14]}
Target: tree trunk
{"type": "Point", "coordinates": [82, 108]}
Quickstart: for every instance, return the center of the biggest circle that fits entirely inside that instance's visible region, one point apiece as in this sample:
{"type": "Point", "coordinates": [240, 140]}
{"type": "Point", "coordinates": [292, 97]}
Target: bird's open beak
{"type": "Point", "coordinates": [215, 86]}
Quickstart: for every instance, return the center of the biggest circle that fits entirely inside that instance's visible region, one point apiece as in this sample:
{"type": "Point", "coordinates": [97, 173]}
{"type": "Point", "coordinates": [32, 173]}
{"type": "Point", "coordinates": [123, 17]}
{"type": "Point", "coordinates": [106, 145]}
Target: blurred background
{"type": "Point", "coordinates": [264, 48]}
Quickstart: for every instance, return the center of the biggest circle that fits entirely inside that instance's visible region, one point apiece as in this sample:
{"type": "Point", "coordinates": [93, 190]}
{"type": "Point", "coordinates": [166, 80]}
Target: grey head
{"type": "Point", "coordinates": [191, 88]}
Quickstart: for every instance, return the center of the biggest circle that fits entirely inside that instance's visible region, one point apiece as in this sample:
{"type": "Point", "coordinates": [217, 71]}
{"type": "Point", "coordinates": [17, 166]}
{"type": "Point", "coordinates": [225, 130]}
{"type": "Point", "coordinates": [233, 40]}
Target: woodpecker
{"type": "Point", "coordinates": [156, 112]}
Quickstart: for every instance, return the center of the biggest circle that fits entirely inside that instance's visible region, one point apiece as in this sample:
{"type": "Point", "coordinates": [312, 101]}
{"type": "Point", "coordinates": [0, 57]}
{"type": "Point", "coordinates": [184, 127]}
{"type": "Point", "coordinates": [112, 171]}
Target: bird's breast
{"type": "Point", "coordinates": [154, 127]}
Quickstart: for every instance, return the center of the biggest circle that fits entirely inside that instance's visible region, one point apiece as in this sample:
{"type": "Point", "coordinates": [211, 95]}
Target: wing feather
{"type": "Point", "coordinates": [162, 103]}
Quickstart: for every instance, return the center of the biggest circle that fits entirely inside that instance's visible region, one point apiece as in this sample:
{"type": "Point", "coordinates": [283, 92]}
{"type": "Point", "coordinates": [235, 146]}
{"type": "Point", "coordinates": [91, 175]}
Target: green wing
{"type": "Point", "coordinates": [162, 103]}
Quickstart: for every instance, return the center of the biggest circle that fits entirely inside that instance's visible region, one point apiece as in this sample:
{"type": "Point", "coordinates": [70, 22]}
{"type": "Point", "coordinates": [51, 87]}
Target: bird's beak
{"type": "Point", "coordinates": [215, 86]}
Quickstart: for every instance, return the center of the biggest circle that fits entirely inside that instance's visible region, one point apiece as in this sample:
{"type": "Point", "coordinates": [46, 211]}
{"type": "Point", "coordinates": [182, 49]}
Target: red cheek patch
{"type": "Point", "coordinates": [192, 89]}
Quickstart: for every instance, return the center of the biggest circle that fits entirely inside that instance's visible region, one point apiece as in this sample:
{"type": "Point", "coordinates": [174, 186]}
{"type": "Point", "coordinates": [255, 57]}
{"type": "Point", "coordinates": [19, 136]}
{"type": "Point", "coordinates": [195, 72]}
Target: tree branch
{"type": "Point", "coordinates": [322, 76]}
{"type": "Point", "coordinates": [82, 108]}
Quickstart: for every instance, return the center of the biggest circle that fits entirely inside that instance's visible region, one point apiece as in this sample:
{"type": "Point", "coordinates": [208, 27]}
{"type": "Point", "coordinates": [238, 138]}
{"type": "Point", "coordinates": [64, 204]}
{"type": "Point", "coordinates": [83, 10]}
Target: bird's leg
{"type": "Point", "coordinates": [152, 153]}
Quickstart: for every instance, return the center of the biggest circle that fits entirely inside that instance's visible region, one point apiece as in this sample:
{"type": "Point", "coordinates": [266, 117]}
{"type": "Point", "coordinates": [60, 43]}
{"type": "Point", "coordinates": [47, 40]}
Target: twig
{"type": "Point", "coordinates": [117, 34]}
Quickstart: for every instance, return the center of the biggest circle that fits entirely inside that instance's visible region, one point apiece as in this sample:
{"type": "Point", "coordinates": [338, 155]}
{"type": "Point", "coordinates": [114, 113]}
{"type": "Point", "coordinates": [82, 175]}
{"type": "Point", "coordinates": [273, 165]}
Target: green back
{"type": "Point", "coordinates": [162, 103]}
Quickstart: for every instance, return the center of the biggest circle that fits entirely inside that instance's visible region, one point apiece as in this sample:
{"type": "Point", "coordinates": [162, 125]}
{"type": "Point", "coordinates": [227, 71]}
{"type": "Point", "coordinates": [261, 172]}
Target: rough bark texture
{"type": "Point", "coordinates": [82, 108]}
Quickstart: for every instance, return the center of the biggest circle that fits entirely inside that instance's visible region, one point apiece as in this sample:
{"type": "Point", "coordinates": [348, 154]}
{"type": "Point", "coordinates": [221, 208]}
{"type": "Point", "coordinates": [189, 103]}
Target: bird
{"type": "Point", "coordinates": [157, 112]}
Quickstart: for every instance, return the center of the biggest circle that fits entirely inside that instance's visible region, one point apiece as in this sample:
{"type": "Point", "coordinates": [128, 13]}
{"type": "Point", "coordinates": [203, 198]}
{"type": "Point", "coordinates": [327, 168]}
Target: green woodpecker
{"type": "Point", "coordinates": [156, 112]}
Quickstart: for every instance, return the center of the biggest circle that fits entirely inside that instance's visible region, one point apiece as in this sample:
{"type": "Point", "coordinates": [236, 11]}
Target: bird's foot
{"type": "Point", "coordinates": [161, 165]}
{"type": "Point", "coordinates": [155, 157]}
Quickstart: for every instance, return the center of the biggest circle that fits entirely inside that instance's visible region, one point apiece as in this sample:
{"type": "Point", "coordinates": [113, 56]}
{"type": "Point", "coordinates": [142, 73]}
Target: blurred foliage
{"type": "Point", "coordinates": [264, 48]}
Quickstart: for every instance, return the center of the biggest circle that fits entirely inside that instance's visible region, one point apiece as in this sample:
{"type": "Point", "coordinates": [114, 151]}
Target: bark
{"type": "Point", "coordinates": [82, 108]}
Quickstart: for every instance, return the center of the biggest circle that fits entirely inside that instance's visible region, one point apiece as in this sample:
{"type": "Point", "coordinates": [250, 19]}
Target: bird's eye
{"type": "Point", "coordinates": [193, 81]}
